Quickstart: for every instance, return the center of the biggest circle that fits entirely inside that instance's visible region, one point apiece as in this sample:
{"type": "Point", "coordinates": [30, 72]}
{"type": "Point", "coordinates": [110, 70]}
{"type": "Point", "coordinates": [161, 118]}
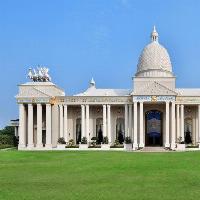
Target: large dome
{"type": "Point", "coordinates": [154, 60]}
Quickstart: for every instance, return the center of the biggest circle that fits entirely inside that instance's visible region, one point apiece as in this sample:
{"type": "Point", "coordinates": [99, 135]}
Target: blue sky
{"type": "Point", "coordinates": [80, 39]}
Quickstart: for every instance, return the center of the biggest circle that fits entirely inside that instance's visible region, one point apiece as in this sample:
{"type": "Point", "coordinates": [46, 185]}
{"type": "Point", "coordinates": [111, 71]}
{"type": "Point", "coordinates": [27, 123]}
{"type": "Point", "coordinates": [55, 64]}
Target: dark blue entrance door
{"type": "Point", "coordinates": [153, 136]}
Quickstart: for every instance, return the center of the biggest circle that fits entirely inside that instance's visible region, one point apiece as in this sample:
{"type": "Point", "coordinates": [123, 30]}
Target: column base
{"type": "Point", "coordinates": [21, 147]}
{"type": "Point", "coordinates": [167, 145]}
{"type": "Point", "coordinates": [173, 146]}
{"type": "Point", "coordinates": [135, 146]}
{"type": "Point", "coordinates": [39, 146]}
{"type": "Point", "coordinates": [141, 145]}
{"type": "Point", "coordinates": [48, 146]}
{"type": "Point", "coordinates": [30, 146]}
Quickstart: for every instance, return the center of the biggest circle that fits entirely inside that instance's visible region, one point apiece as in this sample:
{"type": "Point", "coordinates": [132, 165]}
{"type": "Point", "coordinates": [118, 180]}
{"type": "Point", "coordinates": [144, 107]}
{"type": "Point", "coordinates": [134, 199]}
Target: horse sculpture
{"type": "Point", "coordinates": [39, 75]}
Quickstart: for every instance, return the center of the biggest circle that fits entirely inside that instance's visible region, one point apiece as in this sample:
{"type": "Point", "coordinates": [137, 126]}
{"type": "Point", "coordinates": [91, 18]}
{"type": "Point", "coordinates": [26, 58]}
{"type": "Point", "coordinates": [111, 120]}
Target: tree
{"type": "Point", "coordinates": [8, 130]}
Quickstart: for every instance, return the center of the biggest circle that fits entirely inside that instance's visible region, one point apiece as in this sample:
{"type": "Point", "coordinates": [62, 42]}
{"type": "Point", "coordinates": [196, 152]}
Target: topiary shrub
{"type": "Point", "coordinates": [128, 140]}
{"type": "Point", "coordinates": [105, 140]}
{"type": "Point", "coordinates": [61, 141]}
{"type": "Point", "coordinates": [84, 140]}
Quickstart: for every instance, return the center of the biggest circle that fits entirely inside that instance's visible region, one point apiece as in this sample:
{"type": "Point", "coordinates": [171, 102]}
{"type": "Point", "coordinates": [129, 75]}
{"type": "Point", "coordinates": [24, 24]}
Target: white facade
{"type": "Point", "coordinates": [152, 113]}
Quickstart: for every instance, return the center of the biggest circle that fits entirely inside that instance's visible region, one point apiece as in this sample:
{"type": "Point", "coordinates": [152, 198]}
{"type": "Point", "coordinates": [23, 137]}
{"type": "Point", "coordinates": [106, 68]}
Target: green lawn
{"type": "Point", "coordinates": [99, 175]}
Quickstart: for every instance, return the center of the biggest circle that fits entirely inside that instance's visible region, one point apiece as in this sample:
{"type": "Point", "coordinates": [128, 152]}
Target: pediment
{"type": "Point", "coordinates": [154, 88]}
{"type": "Point", "coordinates": [31, 92]}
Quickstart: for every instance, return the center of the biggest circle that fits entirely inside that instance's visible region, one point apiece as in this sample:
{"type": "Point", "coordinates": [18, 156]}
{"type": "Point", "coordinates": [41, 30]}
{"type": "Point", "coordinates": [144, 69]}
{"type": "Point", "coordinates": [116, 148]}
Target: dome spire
{"type": "Point", "coordinates": [154, 35]}
{"type": "Point", "coordinates": [92, 83]}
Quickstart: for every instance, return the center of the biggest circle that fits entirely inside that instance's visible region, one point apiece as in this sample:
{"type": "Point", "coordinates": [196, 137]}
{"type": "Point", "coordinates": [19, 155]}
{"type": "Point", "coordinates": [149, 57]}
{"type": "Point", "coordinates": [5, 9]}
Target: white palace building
{"type": "Point", "coordinates": [153, 113]}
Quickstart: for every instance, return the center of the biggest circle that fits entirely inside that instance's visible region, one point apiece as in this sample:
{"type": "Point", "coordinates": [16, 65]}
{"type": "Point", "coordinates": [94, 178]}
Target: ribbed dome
{"type": "Point", "coordinates": [154, 60]}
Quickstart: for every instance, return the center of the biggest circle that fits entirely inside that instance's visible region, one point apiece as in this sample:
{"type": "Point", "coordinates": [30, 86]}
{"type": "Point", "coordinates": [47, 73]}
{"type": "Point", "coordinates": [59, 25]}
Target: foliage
{"type": "Point", "coordinates": [8, 130]}
{"type": "Point", "coordinates": [128, 140]}
{"type": "Point", "coordinates": [116, 143]}
{"type": "Point", "coordinates": [6, 139]}
{"type": "Point", "coordinates": [180, 140]}
{"type": "Point", "coordinates": [95, 146]}
{"type": "Point", "coordinates": [94, 141]}
{"type": "Point", "coordinates": [61, 141]}
{"type": "Point", "coordinates": [16, 140]}
{"type": "Point", "coordinates": [84, 140]}
{"type": "Point", "coordinates": [105, 140]}
{"type": "Point", "coordinates": [4, 146]}
{"type": "Point", "coordinates": [71, 142]}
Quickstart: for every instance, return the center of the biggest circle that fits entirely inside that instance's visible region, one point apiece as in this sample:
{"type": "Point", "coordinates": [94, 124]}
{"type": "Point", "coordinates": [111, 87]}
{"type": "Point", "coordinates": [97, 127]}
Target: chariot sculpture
{"type": "Point", "coordinates": [39, 75]}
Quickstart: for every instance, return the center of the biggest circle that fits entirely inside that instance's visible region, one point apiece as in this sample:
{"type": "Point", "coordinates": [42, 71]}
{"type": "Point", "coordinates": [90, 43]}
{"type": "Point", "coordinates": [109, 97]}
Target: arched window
{"type": "Point", "coordinates": [78, 130]}
{"type": "Point", "coordinates": [99, 130]}
{"type": "Point", "coordinates": [120, 130]}
{"type": "Point", "coordinates": [188, 130]}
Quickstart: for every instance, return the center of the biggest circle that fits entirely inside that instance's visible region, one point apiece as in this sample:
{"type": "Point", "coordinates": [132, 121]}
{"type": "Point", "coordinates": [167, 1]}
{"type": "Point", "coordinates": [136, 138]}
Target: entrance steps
{"type": "Point", "coordinates": [154, 149]}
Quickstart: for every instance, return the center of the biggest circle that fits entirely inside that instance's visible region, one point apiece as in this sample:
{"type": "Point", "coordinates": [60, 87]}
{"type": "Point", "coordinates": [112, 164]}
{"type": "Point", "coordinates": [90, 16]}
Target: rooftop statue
{"type": "Point", "coordinates": [39, 75]}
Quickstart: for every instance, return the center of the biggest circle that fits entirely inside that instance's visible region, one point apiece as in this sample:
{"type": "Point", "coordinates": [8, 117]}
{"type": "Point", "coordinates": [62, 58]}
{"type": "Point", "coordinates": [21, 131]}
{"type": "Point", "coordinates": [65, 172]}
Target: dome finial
{"type": "Point", "coordinates": [154, 35]}
{"type": "Point", "coordinates": [92, 83]}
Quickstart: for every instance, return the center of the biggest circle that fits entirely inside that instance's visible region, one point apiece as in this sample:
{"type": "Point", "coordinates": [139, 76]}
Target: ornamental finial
{"type": "Point", "coordinates": [154, 35]}
{"type": "Point", "coordinates": [92, 83]}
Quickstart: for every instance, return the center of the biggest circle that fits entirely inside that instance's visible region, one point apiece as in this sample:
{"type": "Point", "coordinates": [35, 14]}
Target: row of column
{"type": "Point", "coordinates": [23, 127]}
{"type": "Point", "coordinates": [133, 131]}
{"type": "Point", "coordinates": [85, 122]}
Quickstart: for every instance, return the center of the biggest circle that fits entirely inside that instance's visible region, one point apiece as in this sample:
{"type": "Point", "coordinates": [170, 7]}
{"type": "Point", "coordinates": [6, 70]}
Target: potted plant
{"type": "Point", "coordinates": [105, 144]}
{"type": "Point", "coordinates": [61, 143]}
{"type": "Point", "coordinates": [117, 145]}
{"type": "Point", "coordinates": [180, 146]}
{"type": "Point", "coordinates": [83, 145]}
{"type": "Point", "coordinates": [71, 144]}
{"type": "Point", "coordinates": [128, 144]}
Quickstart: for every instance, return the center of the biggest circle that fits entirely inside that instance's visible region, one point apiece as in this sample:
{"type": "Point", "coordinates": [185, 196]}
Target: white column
{"type": "Point", "coordinates": [22, 137]}
{"type": "Point", "coordinates": [48, 126]}
{"type": "Point", "coordinates": [126, 120]}
{"type": "Point", "coordinates": [104, 121]}
{"type": "Point", "coordinates": [39, 126]}
{"type": "Point", "coordinates": [130, 120]}
{"type": "Point", "coordinates": [141, 126]}
{"type": "Point", "coordinates": [167, 125]}
{"type": "Point", "coordinates": [61, 121]}
{"type": "Point", "coordinates": [182, 123]}
{"type": "Point", "coordinates": [65, 124]}
{"type": "Point", "coordinates": [177, 121]}
{"type": "Point", "coordinates": [135, 142]}
{"type": "Point", "coordinates": [173, 133]}
{"type": "Point", "coordinates": [198, 140]}
{"type": "Point", "coordinates": [109, 123]}
{"type": "Point", "coordinates": [87, 123]}
{"type": "Point", "coordinates": [83, 121]}
{"type": "Point", "coordinates": [30, 126]}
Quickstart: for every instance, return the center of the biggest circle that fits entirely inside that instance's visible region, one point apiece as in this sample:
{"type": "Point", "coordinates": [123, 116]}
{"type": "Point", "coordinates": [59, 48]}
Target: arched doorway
{"type": "Point", "coordinates": [78, 130]}
{"type": "Point", "coordinates": [188, 130]}
{"type": "Point", "coordinates": [153, 135]}
{"type": "Point", "coordinates": [99, 130]}
{"type": "Point", "coordinates": [120, 130]}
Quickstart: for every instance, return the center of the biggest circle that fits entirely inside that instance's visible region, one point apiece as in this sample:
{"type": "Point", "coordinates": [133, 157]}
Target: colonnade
{"type": "Point", "coordinates": [26, 126]}
{"type": "Point", "coordinates": [133, 114]}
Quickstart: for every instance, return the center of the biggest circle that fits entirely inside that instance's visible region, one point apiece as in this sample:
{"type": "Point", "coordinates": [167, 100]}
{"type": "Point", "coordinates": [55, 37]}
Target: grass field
{"type": "Point", "coordinates": [99, 175]}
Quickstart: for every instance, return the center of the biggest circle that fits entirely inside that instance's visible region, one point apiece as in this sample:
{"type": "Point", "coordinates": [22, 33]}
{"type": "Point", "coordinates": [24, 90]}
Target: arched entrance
{"type": "Point", "coordinates": [188, 130]}
{"type": "Point", "coordinates": [120, 130]}
{"type": "Point", "coordinates": [99, 132]}
{"type": "Point", "coordinates": [78, 130]}
{"type": "Point", "coordinates": [153, 135]}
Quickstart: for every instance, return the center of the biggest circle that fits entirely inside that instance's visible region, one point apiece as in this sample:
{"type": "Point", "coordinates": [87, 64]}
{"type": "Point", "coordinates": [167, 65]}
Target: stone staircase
{"type": "Point", "coordinates": [154, 149]}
